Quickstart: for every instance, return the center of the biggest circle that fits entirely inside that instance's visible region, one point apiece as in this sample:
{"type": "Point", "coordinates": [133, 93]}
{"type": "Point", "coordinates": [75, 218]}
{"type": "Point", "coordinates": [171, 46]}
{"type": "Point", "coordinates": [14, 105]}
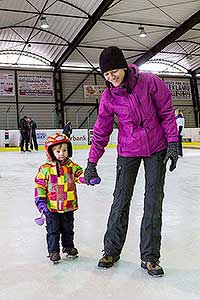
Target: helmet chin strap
{"type": "Point", "coordinates": [57, 169]}
{"type": "Point", "coordinates": [60, 162]}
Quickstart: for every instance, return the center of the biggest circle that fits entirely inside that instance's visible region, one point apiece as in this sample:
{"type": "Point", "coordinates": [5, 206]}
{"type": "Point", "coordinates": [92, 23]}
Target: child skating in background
{"type": "Point", "coordinates": [56, 195]}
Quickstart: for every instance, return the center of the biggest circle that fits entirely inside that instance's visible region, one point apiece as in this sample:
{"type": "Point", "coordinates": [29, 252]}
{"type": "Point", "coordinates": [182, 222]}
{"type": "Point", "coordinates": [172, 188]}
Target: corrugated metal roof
{"type": "Point", "coordinates": [118, 25]}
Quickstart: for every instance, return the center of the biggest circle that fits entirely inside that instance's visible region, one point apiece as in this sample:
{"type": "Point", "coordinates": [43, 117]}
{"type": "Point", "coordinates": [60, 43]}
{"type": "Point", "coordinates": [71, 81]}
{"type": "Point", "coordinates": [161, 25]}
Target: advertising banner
{"type": "Point", "coordinates": [79, 137]}
{"type": "Point", "coordinates": [180, 89]}
{"type": "Point", "coordinates": [7, 84]}
{"type": "Point", "coordinates": [34, 85]}
{"type": "Point", "coordinates": [93, 91]}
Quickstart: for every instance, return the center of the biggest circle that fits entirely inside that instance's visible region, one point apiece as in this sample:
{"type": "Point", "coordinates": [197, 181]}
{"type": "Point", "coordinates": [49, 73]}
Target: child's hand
{"type": "Point", "coordinates": [95, 181]}
{"type": "Point", "coordinates": [39, 221]}
{"type": "Point", "coordinates": [92, 181]}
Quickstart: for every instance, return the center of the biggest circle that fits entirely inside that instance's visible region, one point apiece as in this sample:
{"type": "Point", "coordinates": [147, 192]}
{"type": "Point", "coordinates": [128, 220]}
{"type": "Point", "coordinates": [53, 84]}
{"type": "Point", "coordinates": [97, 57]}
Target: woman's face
{"type": "Point", "coordinates": [115, 77]}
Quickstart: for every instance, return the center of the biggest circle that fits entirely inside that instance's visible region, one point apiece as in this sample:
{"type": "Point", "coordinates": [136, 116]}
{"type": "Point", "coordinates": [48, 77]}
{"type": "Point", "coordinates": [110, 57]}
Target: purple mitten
{"type": "Point", "coordinates": [92, 181]}
{"type": "Point", "coordinates": [39, 221]}
{"type": "Point", "coordinates": [95, 181]}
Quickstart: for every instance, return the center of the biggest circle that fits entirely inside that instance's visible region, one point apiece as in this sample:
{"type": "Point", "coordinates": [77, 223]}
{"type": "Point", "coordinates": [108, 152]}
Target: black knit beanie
{"type": "Point", "coordinates": [112, 58]}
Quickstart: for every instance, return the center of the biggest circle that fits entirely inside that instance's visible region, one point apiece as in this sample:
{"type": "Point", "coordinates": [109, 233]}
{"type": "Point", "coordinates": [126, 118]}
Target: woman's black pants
{"type": "Point", "coordinates": [150, 233]}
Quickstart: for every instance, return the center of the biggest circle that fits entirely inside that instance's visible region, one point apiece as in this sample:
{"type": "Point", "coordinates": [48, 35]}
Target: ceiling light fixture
{"type": "Point", "coordinates": [44, 24]}
{"type": "Point", "coordinates": [142, 31]}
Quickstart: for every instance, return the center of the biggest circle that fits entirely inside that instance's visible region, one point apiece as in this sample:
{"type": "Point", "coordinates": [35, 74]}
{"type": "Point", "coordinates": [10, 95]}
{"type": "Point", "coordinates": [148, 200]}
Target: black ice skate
{"type": "Point", "coordinates": [70, 252]}
{"type": "Point", "coordinates": [153, 268]}
{"type": "Point", "coordinates": [107, 261]}
{"type": "Point", "coordinates": [54, 257]}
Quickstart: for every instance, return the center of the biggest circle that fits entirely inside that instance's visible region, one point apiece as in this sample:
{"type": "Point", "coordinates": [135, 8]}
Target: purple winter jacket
{"type": "Point", "coordinates": [146, 117]}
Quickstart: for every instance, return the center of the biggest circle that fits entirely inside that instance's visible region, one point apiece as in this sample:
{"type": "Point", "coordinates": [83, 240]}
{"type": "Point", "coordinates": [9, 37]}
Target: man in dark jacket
{"type": "Point", "coordinates": [23, 126]}
{"type": "Point", "coordinates": [32, 133]}
{"type": "Point", "coordinates": [68, 129]}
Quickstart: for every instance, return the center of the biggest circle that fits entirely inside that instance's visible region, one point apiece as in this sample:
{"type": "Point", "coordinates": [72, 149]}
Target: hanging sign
{"type": "Point", "coordinates": [7, 84]}
{"type": "Point", "coordinates": [35, 85]}
{"type": "Point", "coordinates": [93, 91]}
{"type": "Point", "coordinates": [180, 89]}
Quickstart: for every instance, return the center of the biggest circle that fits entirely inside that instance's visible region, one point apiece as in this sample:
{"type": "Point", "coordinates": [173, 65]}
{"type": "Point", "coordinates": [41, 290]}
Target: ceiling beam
{"type": "Point", "coordinates": [196, 71]}
{"type": "Point", "coordinates": [103, 7]}
{"type": "Point", "coordinates": [32, 42]}
{"type": "Point", "coordinates": [170, 38]}
{"type": "Point", "coordinates": [138, 23]}
{"type": "Point", "coordinates": [103, 47]}
{"type": "Point", "coordinates": [19, 11]}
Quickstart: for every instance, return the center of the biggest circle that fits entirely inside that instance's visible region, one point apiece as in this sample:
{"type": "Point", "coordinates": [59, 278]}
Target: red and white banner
{"type": "Point", "coordinates": [7, 84]}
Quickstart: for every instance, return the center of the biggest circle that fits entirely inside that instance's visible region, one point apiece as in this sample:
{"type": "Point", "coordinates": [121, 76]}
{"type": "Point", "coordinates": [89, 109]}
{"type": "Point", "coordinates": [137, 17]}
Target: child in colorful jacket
{"type": "Point", "coordinates": [56, 195]}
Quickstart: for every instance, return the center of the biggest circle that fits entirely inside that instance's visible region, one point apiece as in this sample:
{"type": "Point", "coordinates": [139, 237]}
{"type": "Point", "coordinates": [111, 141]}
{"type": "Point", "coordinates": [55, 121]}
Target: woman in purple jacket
{"type": "Point", "coordinates": [147, 132]}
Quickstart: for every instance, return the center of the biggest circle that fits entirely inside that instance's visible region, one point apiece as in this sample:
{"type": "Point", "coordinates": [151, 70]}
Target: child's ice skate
{"type": "Point", "coordinates": [70, 252]}
{"type": "Point", "coordinates": [54, 257]}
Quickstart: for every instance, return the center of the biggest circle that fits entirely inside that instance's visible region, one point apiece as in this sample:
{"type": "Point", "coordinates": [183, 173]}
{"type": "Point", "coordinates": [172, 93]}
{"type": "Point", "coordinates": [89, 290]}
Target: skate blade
{"type": "Point", "coordinates": [70, 256]}
{"type": "Point", "coordinates": [55, 262]}
{"type": "Point", "coordinates": [104, 268]}
{"type": "Point", "coordinates": [156, 276]}
{"type": "Point", "coordinates": [152, 275]}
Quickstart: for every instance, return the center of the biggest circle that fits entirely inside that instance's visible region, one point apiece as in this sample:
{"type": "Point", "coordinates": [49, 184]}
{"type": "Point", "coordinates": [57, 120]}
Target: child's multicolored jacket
{"type": "Point", "coordinates": [55, 185]}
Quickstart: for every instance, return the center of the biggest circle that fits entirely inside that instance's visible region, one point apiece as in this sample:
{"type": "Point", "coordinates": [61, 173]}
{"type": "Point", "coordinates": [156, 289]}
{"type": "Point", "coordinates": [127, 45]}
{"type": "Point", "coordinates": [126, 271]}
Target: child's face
{"type": "Point", "coordinates": [60, 151]}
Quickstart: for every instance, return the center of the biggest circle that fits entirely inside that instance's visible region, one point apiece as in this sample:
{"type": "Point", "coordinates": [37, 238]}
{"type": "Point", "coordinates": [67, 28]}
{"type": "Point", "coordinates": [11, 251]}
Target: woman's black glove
{"type": "Point", "coordinates": [91, 172]}
{"type": "Point", "coordinates": [172, 154]}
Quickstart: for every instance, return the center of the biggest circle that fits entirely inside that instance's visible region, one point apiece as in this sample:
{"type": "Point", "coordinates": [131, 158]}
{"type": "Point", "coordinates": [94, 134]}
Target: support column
{"type": "Point", "coordinates": [17, 98]}
{"type": "Point", "coordinates": [59, 98]}
{"type": "Point", "coordinates": [195, 98]}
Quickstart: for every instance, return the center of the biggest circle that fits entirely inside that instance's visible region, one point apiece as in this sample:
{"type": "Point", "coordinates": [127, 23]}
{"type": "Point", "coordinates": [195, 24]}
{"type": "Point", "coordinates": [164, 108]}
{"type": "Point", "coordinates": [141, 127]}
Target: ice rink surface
{"type": "Point", "coordinates": [26, 273]}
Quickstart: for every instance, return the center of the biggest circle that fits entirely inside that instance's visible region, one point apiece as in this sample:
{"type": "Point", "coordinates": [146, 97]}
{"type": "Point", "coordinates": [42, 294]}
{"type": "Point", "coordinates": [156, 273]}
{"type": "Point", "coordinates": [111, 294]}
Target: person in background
{"type": "Point", "coordinates": [32, 133]}
{"type": "Point", "coordinates": [24, 132]}
{"type": "Point", "coordinates": [180, 121]}
{"type": "Point", "coordinates": [147, 133]}
{"type": "Point", "coordinates": [68, 129]}
{"type": "Point", "coordinates": [56, 195]}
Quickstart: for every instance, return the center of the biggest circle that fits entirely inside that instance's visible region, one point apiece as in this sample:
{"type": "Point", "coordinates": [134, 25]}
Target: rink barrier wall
{"type": "Point", "coordinates": [81, 138]}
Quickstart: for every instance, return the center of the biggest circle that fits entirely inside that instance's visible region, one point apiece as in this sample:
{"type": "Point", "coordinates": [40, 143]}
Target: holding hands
{"type": "Point", "coordinates": [91, 176]}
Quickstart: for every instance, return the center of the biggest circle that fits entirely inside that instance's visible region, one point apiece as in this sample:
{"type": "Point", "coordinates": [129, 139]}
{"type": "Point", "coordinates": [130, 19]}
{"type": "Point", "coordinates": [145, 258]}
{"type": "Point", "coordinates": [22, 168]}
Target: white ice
{"type": "Point", "coordinates": [26, 273]}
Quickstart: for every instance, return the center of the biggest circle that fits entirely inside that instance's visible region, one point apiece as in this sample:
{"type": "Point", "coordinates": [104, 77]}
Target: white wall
{"type": "Point", "coordinates": [193, 133]}
{"type": "Point", "coordinates": [79, 136]}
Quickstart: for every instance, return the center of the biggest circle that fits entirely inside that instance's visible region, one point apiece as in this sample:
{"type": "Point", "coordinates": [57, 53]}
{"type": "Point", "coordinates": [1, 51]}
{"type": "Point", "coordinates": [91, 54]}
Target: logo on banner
{"type": "Point", "coordinates": [41, 135]}
{"type": "Point", "coordinates": [79, 138]}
